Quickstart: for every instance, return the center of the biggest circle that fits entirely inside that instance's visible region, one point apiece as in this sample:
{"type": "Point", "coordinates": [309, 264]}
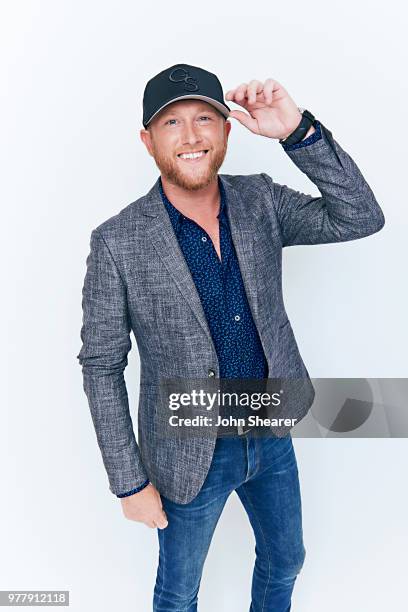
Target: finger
{"type": "Point", "coordinates": [161, 521]}
{"type": "Point", "coordinates": [254, 87]}
{"type": "Point", "coordinates": [246, 120]}
{"type": "Point", "coordinates": [150, 524]}
{"type": "Point", "coordinates": [240, 92]}
{"type": "Point", "coordinates": [268, 90]}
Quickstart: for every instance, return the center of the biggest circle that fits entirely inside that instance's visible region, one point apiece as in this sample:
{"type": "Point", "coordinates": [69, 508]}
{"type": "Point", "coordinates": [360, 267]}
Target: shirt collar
{"type": "Point", "coordinates": [176, 217]}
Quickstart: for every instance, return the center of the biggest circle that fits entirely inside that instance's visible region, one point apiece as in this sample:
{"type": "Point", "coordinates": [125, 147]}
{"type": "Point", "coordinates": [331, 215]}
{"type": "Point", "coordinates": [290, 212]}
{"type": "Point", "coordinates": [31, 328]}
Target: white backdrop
{"type": "Point", "coordinates": [72, 78]}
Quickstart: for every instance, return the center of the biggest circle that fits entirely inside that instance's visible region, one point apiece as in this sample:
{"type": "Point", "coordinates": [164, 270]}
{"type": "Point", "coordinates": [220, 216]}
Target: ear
{"type": "Point", "coordinates": [227, 127]}
{"type": "Point", "coordinates": [146, 138]}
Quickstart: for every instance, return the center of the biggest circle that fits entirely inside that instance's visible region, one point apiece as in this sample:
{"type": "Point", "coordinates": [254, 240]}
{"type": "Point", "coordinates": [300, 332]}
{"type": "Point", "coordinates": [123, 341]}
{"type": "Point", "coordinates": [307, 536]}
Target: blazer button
{"type": "Point", "coordinates": [211, 372]}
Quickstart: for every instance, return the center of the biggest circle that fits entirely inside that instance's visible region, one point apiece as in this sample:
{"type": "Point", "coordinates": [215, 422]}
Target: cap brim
{"type": "Point", "coordinates": [223, 108]}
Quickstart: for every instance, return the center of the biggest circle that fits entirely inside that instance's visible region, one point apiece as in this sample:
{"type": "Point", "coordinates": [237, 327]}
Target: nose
{"type": "Point", "coordinates": [191, 135]}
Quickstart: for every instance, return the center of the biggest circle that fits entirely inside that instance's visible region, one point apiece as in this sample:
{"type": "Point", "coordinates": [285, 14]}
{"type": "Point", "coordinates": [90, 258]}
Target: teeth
{"type": "Point", "coordinates": [192, 155]}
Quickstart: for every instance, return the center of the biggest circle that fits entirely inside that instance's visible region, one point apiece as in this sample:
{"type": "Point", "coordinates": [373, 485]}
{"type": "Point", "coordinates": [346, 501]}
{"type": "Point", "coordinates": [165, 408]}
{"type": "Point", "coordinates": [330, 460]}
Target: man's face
{"type": "Point", "coordinates": [185, 127]}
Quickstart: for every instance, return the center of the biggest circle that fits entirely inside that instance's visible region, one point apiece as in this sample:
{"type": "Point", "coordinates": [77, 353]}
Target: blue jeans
{"type": "Point", "coordinates": [263, 472]}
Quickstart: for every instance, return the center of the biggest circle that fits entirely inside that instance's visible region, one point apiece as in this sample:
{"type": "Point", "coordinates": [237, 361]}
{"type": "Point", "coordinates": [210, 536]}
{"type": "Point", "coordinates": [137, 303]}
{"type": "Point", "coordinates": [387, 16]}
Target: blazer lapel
{"type": "Point", "coordinates": [162, 236]}
{"type": "Point", "coordinates": [243, 233]}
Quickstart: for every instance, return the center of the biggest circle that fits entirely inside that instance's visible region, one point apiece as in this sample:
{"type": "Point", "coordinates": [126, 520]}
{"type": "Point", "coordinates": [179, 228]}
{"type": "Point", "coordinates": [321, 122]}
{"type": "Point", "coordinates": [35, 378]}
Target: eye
{"type": "Point", "coordinates": [168, 122]}
{"type": "Point", "coordinates": [205, 117]}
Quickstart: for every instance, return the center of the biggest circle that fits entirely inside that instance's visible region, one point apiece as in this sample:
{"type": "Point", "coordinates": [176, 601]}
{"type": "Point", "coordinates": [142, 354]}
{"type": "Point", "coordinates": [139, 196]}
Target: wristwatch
{"type": "Point", "coordinates": [299, 133]}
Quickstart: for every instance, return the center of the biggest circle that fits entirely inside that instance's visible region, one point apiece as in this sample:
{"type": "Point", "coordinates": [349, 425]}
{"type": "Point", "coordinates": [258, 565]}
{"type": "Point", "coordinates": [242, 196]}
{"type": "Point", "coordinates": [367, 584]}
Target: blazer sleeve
{"type": "Point", "coordinates": [106, 342]}
{"type": "Point", "coordinates": [346, 209]}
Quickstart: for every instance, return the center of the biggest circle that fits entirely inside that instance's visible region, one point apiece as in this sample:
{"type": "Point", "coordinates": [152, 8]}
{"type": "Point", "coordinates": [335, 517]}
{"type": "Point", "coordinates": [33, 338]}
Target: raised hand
{"type": "Point", "coordinates": [270, 110]}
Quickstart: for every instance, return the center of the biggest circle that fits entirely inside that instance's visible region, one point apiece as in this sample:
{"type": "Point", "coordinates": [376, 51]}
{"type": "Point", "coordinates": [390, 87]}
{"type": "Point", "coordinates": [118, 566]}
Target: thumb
{"type": "Point", "coordinates": [245, 119]}
{"type": "Point", "coordinates": [161, 520]}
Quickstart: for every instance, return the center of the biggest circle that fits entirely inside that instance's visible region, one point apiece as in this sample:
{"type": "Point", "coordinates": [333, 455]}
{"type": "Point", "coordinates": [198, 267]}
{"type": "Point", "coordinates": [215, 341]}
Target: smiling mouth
{"type": "Point", "coordinates": [193, 156]}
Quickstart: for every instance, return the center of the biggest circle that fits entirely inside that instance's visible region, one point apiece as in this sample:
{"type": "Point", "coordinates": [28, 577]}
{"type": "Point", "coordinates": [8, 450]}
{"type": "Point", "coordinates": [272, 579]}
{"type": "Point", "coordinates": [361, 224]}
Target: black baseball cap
{"type": "Point", "coordinates": [181, 82]}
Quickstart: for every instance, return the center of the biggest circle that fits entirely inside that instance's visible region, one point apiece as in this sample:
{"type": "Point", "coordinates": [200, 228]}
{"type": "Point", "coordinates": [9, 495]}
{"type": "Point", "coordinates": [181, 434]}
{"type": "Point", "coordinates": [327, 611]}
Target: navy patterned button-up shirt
{"type": "Point", "coordinates": [221, 290]}
{"type": "Point", "coordinates": [222, 293]}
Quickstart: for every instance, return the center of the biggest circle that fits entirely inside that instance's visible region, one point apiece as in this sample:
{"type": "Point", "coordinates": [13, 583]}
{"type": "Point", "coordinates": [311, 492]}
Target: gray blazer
{"type": "Point", "coordinates": [138, 280]}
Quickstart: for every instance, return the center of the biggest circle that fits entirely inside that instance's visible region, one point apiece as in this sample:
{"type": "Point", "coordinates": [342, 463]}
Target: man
{"type": "Point", "coordinates": [194, 269]}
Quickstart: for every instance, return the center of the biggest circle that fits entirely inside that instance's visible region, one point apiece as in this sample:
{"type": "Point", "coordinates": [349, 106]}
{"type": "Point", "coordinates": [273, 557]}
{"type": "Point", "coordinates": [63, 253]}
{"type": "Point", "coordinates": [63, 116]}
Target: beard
{"type": "Point", "coordinates": [197, 177]}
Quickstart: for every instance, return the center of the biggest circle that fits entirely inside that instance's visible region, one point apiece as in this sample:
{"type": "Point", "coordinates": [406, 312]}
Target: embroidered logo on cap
{"type": "Point", "coordinates": [178, 75]}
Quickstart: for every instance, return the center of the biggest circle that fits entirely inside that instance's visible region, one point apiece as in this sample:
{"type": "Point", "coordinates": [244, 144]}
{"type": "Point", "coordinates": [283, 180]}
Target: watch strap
{"type": "Point", "coordinates": [300, 132]}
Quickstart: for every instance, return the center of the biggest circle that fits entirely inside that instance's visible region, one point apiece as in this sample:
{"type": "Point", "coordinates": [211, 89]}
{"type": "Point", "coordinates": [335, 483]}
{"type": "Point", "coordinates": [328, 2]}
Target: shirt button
{"type": "Point", "coordinates": [204, 238]}
{"type": "Point", "coordinates": [237, 317]}
{"type": "Point", "coordinates": [211, 372]}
